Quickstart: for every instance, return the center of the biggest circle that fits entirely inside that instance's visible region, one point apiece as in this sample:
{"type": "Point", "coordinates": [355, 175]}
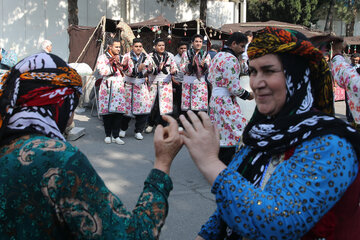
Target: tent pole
{"type": "Point", "coordinates": [197, 26]}
{"type": "Point", "coordinates": [205, 32]}
{"type": "Point", "coordinates": [103, 19]}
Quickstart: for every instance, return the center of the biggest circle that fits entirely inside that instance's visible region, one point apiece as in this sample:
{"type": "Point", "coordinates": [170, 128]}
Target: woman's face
{"type": "Point", "coordinates": [267, 80]}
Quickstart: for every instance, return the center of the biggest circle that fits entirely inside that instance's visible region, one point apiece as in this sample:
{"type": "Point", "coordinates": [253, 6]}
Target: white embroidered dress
{"type": "Point", "coordinates": [112, 91]}
{"type": "Point", "coordinates": [161, 84]}
{"type": "Point", "coordinates": [225, 112]}
{"type": "Point", "coordinates": [137, 93]}
{"type": "Point", "coordinates": [194, 90]}
{"type": "Point", "coordinates": [347, 77]}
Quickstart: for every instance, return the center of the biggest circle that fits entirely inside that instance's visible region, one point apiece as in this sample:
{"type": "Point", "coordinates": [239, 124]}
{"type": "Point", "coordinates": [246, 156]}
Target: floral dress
{"type": "Point", "coordinates": [194, 91]}
{"type": "Point", "coordinates": [161, 85]}
{"type": "Point", "coordinates": [347, 77]}
{"type": "Point", "coordinates": [49, 190]}
{"type": "Point", "coordinates": [137, 95]}
{"type": "Point", "coordinates": [112, 89]}
{"type": "Point", "coordinates": [298, 193]}
{"type": "Point", "coordinates": [225, 112]}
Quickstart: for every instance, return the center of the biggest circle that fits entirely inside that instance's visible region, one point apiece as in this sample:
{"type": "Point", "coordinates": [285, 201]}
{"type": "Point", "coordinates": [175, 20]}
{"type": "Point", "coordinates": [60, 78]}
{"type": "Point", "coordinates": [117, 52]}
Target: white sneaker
{"type": "Point", "coordinates": [117, 140]}
{"type": "Point", "coordinates": [107, 140]}
{"type": "Point", "coordinates": [149, 129]}
{"type": "Point", "coordinates": [139, 136]}
{"type": "Point", "coordinates": [122, 133]}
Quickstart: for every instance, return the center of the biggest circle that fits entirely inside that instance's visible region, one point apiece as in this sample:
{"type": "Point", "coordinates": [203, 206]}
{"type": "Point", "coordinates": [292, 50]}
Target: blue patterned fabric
{"type": "Point", "coordinates": [9, 59]}
{"type": "Point", "coordinates": [299, 192]}
{"type": "Point", "coordinates": [49, 190]}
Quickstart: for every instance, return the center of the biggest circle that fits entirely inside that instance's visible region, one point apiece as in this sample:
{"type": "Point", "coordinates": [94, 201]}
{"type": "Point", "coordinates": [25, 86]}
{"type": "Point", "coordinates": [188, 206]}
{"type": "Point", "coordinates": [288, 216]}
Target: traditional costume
{"type": "Point", "coordinates": [111, 95]}
{"type": "Point", "coordinates": [225, 112]}
{"type": "Point", "coordinates": [177, 87]}
{"type": "Point", "coordinates": [49, 189]}
{"type": "Point", "coordinates": [161, 91]}
{"type": "Point", "coordinates": [194, 88]}
{"type": "Point", "coordinates": [348, 78]}
{"type": "Point", "coordinates": [138, 102]}
{"type": "Point", "coordinates": [296, 175]}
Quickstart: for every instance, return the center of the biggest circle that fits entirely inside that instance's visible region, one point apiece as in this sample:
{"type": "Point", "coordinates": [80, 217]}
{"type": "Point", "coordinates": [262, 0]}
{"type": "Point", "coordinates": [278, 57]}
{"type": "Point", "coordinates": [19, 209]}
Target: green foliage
{"type": "Point", "coordinates": [320, 11]}
{"type": "Point", "coordinates": [292, 11]}
{"type": "Point", "coordinates": [347, 9]}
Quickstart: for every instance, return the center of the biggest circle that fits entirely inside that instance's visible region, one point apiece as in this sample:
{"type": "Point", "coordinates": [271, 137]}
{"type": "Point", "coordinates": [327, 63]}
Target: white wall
{"type": "Point", "coordinates": [26, 23]}
{"type": "Point", "coordinates": [220, 13]}
{"type": "Point", "coordinates": [339, 27]}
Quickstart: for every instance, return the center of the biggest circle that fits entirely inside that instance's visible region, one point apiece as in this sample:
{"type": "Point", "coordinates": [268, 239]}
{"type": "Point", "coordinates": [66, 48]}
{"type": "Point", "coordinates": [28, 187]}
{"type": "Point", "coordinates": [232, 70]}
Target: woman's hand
{"type": "Point", "coordinates": [202, 140]}
{"type": "Point", "coordinates": [199, 238]}
{"type": "Point", "coordinates": [167, 142]}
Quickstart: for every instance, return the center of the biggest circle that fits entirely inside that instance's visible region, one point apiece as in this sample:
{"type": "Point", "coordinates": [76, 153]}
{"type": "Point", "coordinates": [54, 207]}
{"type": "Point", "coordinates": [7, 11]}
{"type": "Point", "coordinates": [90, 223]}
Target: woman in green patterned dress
{"type": "Point", "coordinates": [48, 188]}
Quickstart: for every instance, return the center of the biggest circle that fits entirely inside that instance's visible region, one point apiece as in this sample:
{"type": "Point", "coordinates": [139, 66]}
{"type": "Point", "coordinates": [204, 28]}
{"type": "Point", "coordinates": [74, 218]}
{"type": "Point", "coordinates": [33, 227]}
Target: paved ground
{"type": "Point", "coordinates": [125, 167]}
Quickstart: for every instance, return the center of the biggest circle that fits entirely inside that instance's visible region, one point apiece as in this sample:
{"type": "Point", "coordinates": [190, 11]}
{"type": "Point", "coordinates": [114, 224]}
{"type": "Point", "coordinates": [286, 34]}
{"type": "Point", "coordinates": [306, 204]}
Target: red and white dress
{"type": "Point", "coordinates": [161, 84]}
{"type": "Point", "coordinates": [112, 90]}
{"type": "Point", "coordinates": [137, 93]}
{"type": "Point", "coordinates": [348, 78]}
{"type": "Point", "coordinates": [225, 112]}
{"type": "Point", "coordinates": [194, 88]}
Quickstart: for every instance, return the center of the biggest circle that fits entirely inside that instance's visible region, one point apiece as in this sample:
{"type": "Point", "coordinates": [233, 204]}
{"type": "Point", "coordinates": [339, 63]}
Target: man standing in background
{"type": "Point", "coordinates": [225, 111]}
{"type": "Point", "coordinates": [112, 91]}
{"type": "Point", "coordinates": [177, 80]}
{"type": "Point", "coordinates": [46, 46]}
{"type": "Point", "coordinates": [137, 66]}
{"type": "Point", "coordinates": [214, 49]}
{"type": "Point", "coordinates": [347, 77]}
{"type": "Point", "coordinates": [195, 63]}
{"type": "Point", "coordinates": [249, 36]}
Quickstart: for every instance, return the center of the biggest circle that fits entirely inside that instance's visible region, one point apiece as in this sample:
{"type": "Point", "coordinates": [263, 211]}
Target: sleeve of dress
{"type": "Point", "coordinates": [184, 63]}
{"type": "Point", "coordinates": [9, 59]}
{"type": "Point", "coordinates": [211, 229]}
{"type": "Point", "coordinates": [231, 78]}
{"type": "Point", "coordinates": [103, 66]}
{"type": "Point", "coordinates": [91, 211]}
{"type": "Point", "coordinates": [344, 74]}
{"type": "Point", "coordinates": [128, 69]}
{"type": "Point", "coordinates": [207, 63]}
{"type": "Point", "coordinates": [150, 64]}
{"type": "Point", "coordinates": [173, 65]}
{"type": "Point", "coordinates": [300, 191]}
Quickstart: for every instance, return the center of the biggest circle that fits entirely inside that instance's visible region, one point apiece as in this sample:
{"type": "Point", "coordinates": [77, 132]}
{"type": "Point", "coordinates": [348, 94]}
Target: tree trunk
{"type": "Point", "coordinates": [73, 12]}
{"type": "Point", "coordinates": [203, 9]}
{"type": "Point", "coordinates": [350, 26]}
{"type": "Point", "coordinates": [329, 17]}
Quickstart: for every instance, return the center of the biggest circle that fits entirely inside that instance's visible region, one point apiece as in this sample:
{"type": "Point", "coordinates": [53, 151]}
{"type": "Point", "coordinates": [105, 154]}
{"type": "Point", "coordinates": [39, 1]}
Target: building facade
{"type": "Point", "coordinates": [26, 23]}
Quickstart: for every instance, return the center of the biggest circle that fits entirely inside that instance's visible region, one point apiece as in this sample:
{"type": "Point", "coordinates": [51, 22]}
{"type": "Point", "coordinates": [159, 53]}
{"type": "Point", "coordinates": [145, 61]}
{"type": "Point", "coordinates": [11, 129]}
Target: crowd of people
{"type": "Point", "coordinates": [148, 86]}
{"type": "Point", "coordinates": [290, 172]}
